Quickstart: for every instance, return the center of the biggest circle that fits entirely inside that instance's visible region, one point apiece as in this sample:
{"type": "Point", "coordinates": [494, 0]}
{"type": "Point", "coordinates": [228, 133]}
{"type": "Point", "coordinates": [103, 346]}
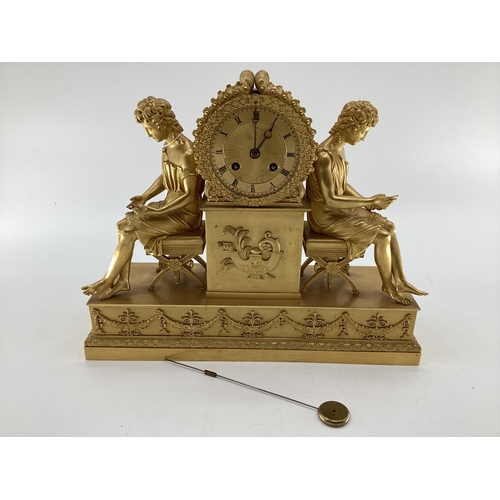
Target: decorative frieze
{"type": "Point", "coordinates": [250, 325]}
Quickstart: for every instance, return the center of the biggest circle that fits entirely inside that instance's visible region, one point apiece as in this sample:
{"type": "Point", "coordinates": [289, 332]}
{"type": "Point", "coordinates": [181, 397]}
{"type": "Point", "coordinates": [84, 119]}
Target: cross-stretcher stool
{"type": "Point", "coordinates": [329, 255]}
{"type": "Point", "coordinates": [179, 250]}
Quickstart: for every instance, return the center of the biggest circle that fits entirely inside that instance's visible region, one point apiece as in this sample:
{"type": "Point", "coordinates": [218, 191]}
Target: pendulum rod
{"type": "Point", "coordinates": [331, 413]}
{"type": "Point", "coordinates": [216, 375]}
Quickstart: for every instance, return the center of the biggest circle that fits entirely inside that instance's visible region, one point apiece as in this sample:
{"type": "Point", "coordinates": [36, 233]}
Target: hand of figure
{"type": "Point", "coordinates": [139, 209]}
{"type": "Point", "coordinates": [136, 201]}
{"type": "Point", "coordinates": [372, 206]}
{"type": "Point", "coordinates": [381, 201]}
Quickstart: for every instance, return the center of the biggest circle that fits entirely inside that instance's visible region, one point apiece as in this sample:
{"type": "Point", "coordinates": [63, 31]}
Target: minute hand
{"type": "Point", "coordinates": [267, 134]}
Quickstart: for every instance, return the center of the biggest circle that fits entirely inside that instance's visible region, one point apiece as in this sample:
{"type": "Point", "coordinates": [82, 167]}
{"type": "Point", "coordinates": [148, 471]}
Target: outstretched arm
{"type": "Point", "coordinates": [352, 192]}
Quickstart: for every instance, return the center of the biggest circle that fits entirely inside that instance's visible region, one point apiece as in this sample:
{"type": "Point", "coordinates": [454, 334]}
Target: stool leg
{"type": "Point", "coordinates": [200, 260]}
{"type": "Point", "coordinates": [329, 277]}
{"type": "Point", "coordinates": [349, 280]}
{"type": "Point", "coordinates": [314, 278]}
{"type": "Point", "coordinates": [177, 276]}
{"type": "Point", "coordinates": [157, 278]}
{"type": "Point", "coordinates": [190, 273]}
{"type": "Point", "coordinates": [304, 265]}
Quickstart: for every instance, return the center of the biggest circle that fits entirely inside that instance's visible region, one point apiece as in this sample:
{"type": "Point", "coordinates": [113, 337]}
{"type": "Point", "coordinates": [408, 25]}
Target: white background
{"type": "Point", "coordinates": [46, 388]}
{"type": "Point", "coordinates": [71, 155]}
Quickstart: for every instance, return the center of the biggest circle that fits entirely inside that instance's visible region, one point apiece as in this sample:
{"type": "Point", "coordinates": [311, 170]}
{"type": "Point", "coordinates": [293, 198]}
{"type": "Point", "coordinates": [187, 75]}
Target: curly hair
{"type": "Point", "coordinates": [356, 114]}
{"type": "Point", "coordinates": [159, 111]}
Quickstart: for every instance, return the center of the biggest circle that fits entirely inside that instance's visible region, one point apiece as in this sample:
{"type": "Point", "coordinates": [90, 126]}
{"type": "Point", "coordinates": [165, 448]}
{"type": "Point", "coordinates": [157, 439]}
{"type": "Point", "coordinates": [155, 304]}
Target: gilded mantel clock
{"type": "Point", "coordinates": [254, 146]}
{"type": "Point", "coordinates": [246, 299]}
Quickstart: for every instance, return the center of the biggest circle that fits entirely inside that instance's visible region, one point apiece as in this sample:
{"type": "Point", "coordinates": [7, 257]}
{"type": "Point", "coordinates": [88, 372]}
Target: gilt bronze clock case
{"type": "Point", "coordinates": [254, 146]}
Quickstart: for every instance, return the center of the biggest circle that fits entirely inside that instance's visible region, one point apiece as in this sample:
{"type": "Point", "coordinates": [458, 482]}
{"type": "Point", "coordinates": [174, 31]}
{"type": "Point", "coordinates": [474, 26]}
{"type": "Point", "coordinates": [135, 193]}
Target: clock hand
{"type": "Point", "coordinates": [254, 152]}
{"type": "Point", "coordinates": [267, 134]}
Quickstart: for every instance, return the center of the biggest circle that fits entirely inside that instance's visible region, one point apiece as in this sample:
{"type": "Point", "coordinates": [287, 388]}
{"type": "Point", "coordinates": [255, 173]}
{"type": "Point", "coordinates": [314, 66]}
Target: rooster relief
{"type": "Point", "coordinates": [257, 261]}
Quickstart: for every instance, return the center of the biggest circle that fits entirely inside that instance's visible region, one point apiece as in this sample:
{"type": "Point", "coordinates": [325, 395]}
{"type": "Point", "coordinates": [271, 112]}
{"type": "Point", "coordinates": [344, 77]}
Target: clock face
{"type": "Point", "coordinates": [254, 151]}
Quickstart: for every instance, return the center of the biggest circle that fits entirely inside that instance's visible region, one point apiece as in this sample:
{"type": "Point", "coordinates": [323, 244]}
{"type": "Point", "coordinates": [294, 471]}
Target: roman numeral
{"type": "Point", "coordinates": [290, 155]}
{"type": "Point", "coordinates": [273, 187]}
{"type": "Point", "coordinates": [221, 132]}
{"type": "Point", "coordinates": [252, 188]}
{"type": "Point", "coordinates": [287, 136]}
{"type": "Point", "coordinates": [235, 183]}
{"type": "Point", "coordinates": [218, 152]}
{"type": "Point", "coordinates": [238, 120]}
{"type": "Point", "coordinates": [285, 172]}
{"type": "Point", "coordinates": [223, 169]}
{"type": "Point", "coordinates": [256, 115]}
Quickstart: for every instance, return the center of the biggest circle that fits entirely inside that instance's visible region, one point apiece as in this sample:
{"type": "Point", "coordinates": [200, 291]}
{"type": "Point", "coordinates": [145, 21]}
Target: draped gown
{"type": "Point", "coordinates": [358, 228]}
{"type": "Point", "coordinates": [153, 230]}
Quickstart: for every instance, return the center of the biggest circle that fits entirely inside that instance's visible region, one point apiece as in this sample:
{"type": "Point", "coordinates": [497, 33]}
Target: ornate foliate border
{"type": "Point", "coordinates": [231, 101]}
{"type": "Point", "coordinates": [313, 327]}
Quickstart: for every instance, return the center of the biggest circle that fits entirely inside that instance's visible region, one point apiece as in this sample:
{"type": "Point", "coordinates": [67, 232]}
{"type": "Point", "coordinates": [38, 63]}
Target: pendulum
{"type": "Point", "coordinates": [331, 413]}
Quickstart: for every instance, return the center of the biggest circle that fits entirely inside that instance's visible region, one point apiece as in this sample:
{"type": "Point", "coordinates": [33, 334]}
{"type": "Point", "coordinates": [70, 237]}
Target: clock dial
{"type": "Point", "coordinates": [254, 151]}
{"type": "Point", "coordinates": [254, 145]}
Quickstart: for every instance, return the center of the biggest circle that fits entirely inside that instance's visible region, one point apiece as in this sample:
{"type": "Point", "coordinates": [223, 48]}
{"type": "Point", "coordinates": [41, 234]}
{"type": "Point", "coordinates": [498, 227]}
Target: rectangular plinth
{"type": "Point", "coordinates": [254, 252]}
{"type": "Point", "coordinates": [325, 325]}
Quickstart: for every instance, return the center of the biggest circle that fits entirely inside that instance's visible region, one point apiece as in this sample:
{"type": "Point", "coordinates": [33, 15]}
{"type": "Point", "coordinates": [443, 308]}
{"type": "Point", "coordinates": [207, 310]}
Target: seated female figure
{"type": "Point", "coordinates": [340, 211]}
{"type": "Point", "coordinates": [152, 223]}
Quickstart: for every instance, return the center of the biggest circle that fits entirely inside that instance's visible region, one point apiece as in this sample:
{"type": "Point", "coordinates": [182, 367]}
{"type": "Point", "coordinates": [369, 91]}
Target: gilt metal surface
{"type": "Point", "coordinates": [253, 150]}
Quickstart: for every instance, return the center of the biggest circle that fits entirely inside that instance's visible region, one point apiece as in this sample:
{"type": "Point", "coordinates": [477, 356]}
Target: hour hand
{"type": "Point", "coordinates": [255, 151]}
{"type": "Point", "coordinates": [267, 134]}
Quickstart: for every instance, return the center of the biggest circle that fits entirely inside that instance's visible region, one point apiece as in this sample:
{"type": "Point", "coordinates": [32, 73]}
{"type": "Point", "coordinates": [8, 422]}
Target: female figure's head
{"type": "Point", "coordinates": [354, 121]}
{"type": "Point", "coordinates": [157, 118]}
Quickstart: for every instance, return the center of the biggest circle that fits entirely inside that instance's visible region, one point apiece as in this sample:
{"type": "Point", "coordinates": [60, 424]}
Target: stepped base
{"type": "Point", "coordinates": [327, 326]}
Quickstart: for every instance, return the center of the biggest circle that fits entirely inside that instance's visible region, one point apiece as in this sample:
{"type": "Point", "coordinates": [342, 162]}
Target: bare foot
{"type": "Point", "coordinates": [97, 287]}
{"type": "Point", "coordinates": [396, 296]}
{"type": "Point", "coordinates": [120, 286]}
{"type": "Point", "coordinates": [404, 286]}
